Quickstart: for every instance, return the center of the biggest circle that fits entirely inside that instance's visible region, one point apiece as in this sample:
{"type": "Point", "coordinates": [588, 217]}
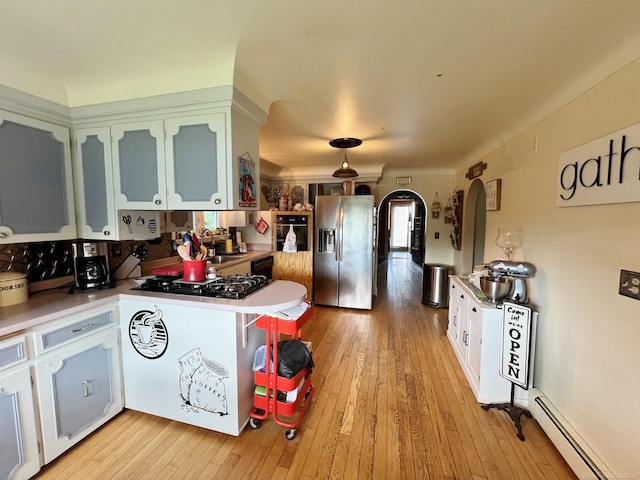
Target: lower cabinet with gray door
{"type": "Point", "coordinates": [19, 459]}
{"type": "Point", "coordinates": [79, 383]}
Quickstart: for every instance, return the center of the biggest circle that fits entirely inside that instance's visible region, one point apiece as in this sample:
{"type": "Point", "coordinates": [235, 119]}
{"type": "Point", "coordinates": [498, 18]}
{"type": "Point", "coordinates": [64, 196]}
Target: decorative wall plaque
{"type": "Point", "coordinates": [476, 170]}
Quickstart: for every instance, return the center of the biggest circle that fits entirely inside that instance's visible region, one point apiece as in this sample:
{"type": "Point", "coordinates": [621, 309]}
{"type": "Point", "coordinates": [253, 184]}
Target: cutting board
{"type": "Point", "coordinates": [174, 270]}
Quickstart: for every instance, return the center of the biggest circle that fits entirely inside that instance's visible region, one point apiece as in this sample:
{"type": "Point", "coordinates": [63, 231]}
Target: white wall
{"type": "Point", "coordinates": [262, 241]}
{"type": "Point", "coordinates": [588, 352]}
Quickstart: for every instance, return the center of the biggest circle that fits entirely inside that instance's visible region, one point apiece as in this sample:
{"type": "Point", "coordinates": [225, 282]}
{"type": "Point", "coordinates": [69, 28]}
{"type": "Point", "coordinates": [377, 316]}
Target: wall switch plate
{"type": "Point", "coordinates": [629, 284]}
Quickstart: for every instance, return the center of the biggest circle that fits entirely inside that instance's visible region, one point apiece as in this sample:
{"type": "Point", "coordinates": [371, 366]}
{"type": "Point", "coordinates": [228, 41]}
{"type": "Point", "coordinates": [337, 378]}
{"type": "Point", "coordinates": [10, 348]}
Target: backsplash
{"type": "Point", "coordinates": [14, 257]}
{"type": "Point", "coordinates": [46, 260]}
{"type": "Point", "coordinates": [49, 260]}
{"type": "Point", "coordinates": [157, 249]}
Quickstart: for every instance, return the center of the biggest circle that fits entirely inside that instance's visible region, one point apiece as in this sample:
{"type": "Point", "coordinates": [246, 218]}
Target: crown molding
{"type": "Point", "coordinates": [23, 103]}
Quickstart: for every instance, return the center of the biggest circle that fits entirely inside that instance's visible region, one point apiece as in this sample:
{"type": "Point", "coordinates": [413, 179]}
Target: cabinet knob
{"type": "Point", "coordinates": [158, 202]}
{"type": "Point", "coordinates": [217, 201]}
{"type": "Point", "coordinates": [474, 309]}
{"type": "Point", "coordinates": [107, 233]}
{"type": "Point", "coordinates": [3, 235]}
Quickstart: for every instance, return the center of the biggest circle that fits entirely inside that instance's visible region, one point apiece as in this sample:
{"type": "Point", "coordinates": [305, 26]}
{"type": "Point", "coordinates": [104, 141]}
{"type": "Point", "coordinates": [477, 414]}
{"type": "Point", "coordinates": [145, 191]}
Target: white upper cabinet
{"type": "Point", "coordinates": [196, 162]}
{"type": "Point", "coordinates": [139, 165]}
{"type": "Point", "coordinates": [36, 185]}
{"type": "Point", "coordinates": [186, 151]}
{"type": "Point", "coordinates": [175, 164]}
{"type": "Point", "coordinates": [96, 215]}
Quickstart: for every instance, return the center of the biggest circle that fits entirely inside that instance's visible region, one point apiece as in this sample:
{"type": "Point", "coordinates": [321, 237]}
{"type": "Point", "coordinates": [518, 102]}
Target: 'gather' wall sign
{"type": "Point", "coordinates": [606, 170]}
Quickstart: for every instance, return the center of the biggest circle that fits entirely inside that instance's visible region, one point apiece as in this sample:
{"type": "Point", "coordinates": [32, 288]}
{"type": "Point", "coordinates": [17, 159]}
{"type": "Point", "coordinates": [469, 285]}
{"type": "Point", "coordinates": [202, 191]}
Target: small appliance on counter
{"type": "Point", "coordinates": [512, 274]}
{"type": "Point", "coordinates": [91, 264]}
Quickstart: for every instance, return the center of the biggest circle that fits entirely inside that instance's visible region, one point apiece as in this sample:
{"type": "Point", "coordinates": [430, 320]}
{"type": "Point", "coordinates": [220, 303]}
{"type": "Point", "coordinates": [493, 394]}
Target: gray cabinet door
{"type": "Point", "coordinates": [139, 166]}
{"type": "Point", "coordinates": [36, 185]}
{"type": "Point", "coordinates": [18, 442]}
{"type": "Point", "coordinates": [80, 389]}
{"type": "Point", "coordinates": [94, 184]}
{"type": "Point", "coordinates": [196, 162]}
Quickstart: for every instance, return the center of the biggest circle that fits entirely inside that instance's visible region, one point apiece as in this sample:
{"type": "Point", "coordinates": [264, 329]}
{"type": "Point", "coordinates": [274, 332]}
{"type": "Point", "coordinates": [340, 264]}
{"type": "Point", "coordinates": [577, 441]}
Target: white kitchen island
{"type": "Point", "coordinates": [189, 358]}
{"type": "Point", "coordinates": [189, 363]}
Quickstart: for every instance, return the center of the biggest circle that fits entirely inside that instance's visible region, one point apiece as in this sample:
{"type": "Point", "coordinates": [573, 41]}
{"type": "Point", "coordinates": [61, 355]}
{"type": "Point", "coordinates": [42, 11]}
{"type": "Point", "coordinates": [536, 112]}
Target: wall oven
{"type": "Point", "coordinates": [300, 225]}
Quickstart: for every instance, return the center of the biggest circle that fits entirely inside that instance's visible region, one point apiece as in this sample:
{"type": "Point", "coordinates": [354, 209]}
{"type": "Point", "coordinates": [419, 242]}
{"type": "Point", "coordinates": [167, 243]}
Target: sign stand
{"type": "Point", "coordinates": [513, 411]}
{"type": "Point", "coordinates": [516, 330]}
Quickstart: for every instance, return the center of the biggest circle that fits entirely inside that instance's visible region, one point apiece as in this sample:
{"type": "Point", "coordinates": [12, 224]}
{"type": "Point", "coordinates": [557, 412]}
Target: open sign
{"type": "Point", "coordinates": [516, 339]}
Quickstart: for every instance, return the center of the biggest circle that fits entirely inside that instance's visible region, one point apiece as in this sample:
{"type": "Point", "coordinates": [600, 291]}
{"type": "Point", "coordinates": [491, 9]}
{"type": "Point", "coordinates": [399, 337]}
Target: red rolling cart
{"type": "Point", "coordinates": [286, 413]}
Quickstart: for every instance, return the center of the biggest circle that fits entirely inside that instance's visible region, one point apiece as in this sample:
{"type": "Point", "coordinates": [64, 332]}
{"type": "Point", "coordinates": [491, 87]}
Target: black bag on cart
{"type": "Point", "coordinates": [293, 356]}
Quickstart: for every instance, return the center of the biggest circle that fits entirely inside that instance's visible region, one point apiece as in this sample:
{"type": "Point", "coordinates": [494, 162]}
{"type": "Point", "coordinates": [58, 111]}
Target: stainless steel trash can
{"type": "Point", "coordinates": [435, 284]}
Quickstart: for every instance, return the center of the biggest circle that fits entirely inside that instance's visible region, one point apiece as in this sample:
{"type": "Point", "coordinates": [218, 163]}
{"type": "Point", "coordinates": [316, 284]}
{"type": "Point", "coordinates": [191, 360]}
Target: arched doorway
{"type": "Point", "coordinates": [475, 222]}
{"type": "Point", "coordinates": [401, 225]}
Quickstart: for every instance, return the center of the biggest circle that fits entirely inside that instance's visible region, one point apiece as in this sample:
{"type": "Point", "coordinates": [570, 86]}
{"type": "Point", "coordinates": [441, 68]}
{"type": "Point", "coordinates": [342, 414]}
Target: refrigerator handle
{"type": "Point", "coordinates": [336, 249]}
{"type": "Point", "coordinates": [340, 229]}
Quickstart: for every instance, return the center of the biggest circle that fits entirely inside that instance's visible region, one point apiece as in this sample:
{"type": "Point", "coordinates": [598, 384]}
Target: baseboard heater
{"type": "Point", "coordinates": [573, 449]}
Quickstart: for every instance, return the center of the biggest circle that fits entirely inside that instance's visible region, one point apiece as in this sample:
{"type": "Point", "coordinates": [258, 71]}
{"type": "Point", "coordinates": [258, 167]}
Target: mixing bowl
{"type": "Point", "coordinates": [495, 288]}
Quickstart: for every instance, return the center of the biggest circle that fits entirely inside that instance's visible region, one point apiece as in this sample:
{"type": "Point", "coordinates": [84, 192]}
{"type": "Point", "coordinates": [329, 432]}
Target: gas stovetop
{"type": "Point", "coordinates": [234, 287]}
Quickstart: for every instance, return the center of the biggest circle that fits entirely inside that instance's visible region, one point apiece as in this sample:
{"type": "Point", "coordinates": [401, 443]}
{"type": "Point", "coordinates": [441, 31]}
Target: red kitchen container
{"type": "Point", "coordinates": [194, 270]}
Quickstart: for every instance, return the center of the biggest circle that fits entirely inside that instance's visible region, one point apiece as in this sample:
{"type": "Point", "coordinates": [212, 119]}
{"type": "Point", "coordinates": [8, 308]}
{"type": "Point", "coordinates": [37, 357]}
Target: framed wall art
{"type": "Point", "coordinates": [247, 181]}
{"type": "Point", "coordinates": [494, 191]}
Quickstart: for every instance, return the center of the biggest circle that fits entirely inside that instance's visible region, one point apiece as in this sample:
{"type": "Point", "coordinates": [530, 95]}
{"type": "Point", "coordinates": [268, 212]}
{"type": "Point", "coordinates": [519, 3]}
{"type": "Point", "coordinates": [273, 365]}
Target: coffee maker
{"type": "Point", "coordinates": [519, 272]}
{"type": "Point", "coordinates": [91, 263]}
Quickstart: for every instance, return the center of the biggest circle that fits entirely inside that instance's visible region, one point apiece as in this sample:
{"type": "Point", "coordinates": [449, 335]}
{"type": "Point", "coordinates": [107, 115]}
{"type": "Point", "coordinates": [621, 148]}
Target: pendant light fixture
{"type": "Point", "coordinates": [345, 171]}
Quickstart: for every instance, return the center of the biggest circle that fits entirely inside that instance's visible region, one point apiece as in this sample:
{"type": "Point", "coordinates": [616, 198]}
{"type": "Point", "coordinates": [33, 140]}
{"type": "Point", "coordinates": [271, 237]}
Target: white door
{"type": "Point", "coordinates": [400, 225]}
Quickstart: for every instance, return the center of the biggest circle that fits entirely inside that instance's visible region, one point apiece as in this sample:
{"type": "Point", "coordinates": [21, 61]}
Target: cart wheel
{"type": "Point", "coordinates": [290, 433]}
{"type": "Point", "coordinates": [253, 423]}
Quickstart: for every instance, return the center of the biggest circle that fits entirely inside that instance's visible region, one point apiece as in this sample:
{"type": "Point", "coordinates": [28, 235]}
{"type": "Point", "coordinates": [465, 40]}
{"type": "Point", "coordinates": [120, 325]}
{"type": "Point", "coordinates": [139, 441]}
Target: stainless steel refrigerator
{"type": "Point", "coordinates": [344, 253]}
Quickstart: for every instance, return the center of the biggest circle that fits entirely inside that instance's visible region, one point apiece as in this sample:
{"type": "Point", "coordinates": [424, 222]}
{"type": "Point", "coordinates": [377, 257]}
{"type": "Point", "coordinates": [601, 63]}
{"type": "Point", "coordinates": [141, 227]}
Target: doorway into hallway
{"type": "Point", "coordinates": [401, 225]}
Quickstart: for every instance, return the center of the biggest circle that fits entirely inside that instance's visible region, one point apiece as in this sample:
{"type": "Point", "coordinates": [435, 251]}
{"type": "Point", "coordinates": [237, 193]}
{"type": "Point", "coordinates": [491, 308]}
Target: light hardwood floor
{"type": "Point", "coordinates": [391, 402]}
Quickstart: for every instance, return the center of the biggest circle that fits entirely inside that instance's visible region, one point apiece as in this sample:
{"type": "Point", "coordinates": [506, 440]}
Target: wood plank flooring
{"type": "Point", "coordinates": [391, 402]}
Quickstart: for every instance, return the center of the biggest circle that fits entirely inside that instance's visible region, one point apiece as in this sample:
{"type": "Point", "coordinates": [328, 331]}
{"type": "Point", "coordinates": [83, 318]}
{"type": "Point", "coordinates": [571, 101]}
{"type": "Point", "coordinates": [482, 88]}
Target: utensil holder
{"type": "Point", "coordinates": [194, 270]}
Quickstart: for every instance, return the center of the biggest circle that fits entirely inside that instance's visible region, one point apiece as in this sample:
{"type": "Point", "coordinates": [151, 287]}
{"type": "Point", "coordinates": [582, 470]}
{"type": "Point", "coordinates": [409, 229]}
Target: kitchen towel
{"type": "Point", "coordinates": [290, 241]}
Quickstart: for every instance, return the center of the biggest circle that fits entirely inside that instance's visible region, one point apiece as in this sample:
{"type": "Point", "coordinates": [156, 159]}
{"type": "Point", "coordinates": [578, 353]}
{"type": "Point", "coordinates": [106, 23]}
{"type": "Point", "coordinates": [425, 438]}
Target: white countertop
{"type": "Point", "coordinates": [47, 305]}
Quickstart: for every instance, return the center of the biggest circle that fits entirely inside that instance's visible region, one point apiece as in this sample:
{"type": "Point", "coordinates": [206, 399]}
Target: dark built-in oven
{"type": "Point", "coordinates": [263, 266]}
{"type": "Point", "coordinates": [299, 224]}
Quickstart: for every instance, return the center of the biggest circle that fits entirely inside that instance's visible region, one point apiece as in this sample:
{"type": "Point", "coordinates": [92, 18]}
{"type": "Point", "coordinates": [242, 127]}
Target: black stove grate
{"type": "Point", "coordinates": [234, 287]}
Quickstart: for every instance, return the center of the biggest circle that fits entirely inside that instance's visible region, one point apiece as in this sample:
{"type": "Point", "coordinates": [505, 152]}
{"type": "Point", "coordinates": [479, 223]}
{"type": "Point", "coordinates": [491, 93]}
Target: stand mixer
{"type": "Point", "coordinates": [519, 272]}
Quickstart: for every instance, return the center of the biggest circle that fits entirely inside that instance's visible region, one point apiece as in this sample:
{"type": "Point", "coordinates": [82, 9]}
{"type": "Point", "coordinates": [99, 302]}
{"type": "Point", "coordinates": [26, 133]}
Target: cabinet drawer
{"type": "Point", "coordinates": [77, 326]}
{"type": "Point", "coordinates": [12, 352]}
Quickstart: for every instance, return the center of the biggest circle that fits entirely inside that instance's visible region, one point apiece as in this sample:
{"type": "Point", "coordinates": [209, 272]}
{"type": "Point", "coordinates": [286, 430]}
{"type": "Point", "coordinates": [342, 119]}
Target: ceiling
{"type": "Point", "coordinates": [426, 84]}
